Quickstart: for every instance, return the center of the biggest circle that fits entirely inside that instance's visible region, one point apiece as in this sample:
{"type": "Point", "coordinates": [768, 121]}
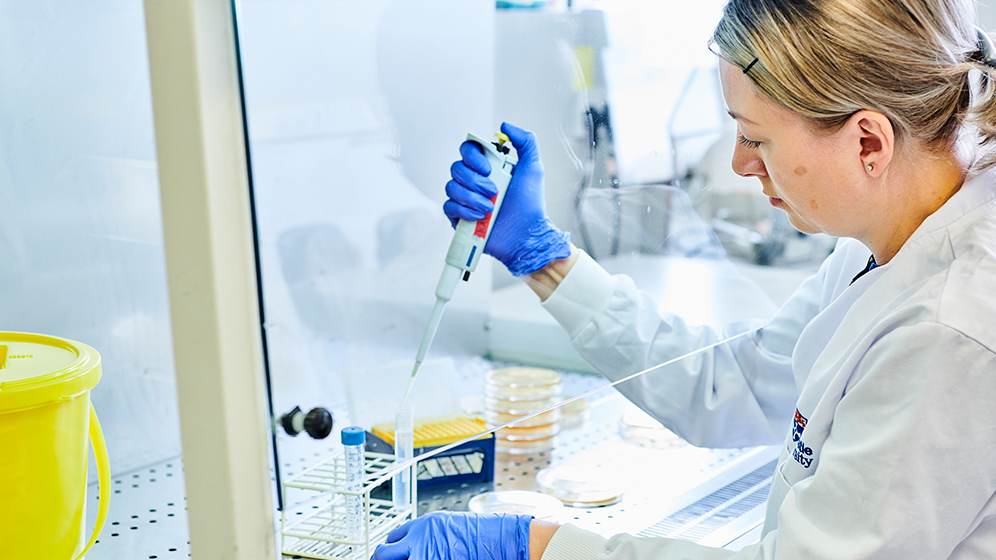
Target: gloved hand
{"type": "Point", "coordinates": [523, 238]}
{"type": "Point", "coordinates": [446, 535]}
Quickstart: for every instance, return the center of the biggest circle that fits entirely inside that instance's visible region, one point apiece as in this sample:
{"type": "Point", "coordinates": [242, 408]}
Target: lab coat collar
{"type": "Point", "coordinates": [976, 192]}
{"type": "Point", "coordinates": [924, 253]}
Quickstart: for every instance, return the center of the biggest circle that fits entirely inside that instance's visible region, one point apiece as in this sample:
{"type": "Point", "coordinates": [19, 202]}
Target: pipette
{"type": "Point", "coordinates": [468, 242]}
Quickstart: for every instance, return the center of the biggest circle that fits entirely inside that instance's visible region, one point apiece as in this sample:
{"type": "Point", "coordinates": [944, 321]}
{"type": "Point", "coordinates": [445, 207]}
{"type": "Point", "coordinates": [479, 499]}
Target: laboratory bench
{"type": "Point", "coordinates": [711, 496]}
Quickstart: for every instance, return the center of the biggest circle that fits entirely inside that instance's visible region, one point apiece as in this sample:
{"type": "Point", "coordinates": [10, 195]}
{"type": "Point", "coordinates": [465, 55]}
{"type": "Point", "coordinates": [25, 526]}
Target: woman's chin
{"type": "Point", "coordinates": [800, 224]}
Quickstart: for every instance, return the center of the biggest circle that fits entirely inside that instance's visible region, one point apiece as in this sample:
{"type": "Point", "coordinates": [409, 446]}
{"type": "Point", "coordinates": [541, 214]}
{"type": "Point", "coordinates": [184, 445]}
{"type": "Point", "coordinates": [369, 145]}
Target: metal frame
{"type": "Point", "coordinates": [211, 267]}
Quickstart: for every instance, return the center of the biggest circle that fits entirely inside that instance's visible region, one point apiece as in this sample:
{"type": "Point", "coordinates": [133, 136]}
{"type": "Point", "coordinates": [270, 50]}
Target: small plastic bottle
{"type": "Point", "coordinates": [404, 434]}
{"type": "Point", "coordinates": [353, 440]}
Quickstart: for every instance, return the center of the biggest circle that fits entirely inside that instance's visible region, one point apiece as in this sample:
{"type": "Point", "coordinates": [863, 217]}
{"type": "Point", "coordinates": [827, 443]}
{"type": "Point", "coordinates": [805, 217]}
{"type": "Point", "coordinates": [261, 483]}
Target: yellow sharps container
{"type": "Point", "coordinates": [46, 420]}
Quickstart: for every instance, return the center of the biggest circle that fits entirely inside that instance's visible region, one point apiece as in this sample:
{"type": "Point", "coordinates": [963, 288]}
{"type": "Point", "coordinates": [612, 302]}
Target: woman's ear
{"type": "Point", "coordinates": [877, 140]}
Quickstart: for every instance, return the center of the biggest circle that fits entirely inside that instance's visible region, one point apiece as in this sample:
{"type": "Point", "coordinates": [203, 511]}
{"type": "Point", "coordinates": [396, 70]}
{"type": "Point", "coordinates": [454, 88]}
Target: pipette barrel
{"type": "Point", "coordinates": [469, 238]}
{"type": "Point", "coordinates": [467, 246]}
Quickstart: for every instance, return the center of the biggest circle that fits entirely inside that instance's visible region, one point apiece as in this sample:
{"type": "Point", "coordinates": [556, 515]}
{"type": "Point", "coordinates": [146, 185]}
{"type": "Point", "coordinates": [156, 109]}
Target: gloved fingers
{"type": "Point", "coordinates": [399, 533]}
{"type": "Point", "coordinates": [454, 211]}
{"type": "Point", "coordinates": [523, 141]}
{"type": "Point", "coordinates": [473, 180]}
{"type": "Point", "coordinates": [473, 156]}
{"type": "Point", "coordinates": [392, 551]}
{"type": "Point", "coordinates": [468, 198]}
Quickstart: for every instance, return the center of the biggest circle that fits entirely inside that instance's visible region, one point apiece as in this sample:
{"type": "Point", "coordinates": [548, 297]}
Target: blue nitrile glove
{"type": "Point", "coordinates": [523, 238]}
{"type": "Point", "coordinates": [447, 535]}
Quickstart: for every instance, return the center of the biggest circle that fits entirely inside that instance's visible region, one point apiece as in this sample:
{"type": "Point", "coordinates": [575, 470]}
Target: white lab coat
{"type": "Point", "coordinates": [883, 391]}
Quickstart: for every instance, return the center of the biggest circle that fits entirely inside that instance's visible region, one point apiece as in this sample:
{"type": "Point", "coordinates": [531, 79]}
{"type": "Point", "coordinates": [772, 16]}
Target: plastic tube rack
{"type": "Point", "coordinates": [321, 533]}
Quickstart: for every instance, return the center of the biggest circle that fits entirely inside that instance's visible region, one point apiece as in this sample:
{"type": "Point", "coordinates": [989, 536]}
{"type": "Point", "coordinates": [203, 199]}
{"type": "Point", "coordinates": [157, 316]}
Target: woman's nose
{"type": "Point", "coordinates": [747, 163]}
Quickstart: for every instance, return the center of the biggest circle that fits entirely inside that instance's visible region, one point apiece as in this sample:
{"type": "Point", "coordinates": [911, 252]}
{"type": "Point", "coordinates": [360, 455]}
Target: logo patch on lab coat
{"type": "Point", "coordinates": [802, 454]}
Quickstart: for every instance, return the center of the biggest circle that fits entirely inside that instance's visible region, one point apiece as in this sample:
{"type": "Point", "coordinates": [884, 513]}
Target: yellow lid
{"type": "Point", "coordinates": [435, 431]}
{"type": "Point", "coordinates": [38, 369]}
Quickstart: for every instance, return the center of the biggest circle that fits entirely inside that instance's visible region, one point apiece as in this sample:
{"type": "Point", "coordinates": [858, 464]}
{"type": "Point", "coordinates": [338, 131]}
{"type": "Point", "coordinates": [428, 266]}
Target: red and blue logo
{"type": "Point", "coordinates": [802, 454]}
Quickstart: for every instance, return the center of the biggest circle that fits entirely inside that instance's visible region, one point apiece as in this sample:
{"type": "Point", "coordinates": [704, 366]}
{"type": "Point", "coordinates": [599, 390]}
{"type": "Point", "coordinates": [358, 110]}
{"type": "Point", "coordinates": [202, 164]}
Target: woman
{"type": "Point", "coordinates": [866, 120]}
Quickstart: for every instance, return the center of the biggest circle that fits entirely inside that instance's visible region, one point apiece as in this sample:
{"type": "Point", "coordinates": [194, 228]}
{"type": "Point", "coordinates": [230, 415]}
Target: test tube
{"type": "Point", "coordinates": [353, 440]}
{"type": "Point", "coordinates": [404, 437]}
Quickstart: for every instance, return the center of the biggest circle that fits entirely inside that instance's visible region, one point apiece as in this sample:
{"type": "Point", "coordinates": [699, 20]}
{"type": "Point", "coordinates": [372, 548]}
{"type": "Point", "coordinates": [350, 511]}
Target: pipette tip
{"type": "Point", "coordinates": [411, 382]}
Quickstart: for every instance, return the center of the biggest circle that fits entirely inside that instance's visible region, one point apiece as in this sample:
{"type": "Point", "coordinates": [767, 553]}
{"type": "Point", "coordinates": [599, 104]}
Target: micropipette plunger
{"type": "Point", "coordinates": [468, 242]}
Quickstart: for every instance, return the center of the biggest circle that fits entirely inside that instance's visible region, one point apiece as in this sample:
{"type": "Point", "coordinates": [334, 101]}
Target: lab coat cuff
{"type": "Point", "coordinates": [573, 543]}
{"type": "Point", "coordinates": [584, 292]}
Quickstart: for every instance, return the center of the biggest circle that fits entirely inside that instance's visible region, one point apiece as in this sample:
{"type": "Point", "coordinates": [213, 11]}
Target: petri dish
{"type": "Point", "coordinates": [497, 418]}
{"type": "Point", "coordinates": [529, 434]}
{"type": "Point", "coordinates": [523, 393]}
{"type": "Point", "coordinates": [520, 502]}
{"type": "Point", "coordinates": [579, 485]}
{"type": "Point", "coordinates": [522, 384]}
{"type": "Point", "coordinates": [522, 378]}
{"type": "Point", "coordinates": [574, 414]}
{"type": "Point", "coordinates": [518, 406]}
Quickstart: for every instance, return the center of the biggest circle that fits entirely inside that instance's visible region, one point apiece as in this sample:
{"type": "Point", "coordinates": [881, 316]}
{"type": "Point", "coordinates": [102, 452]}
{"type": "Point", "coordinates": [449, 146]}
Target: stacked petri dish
{"type": "Point", "coordinates": [512, 393]}
{"type": "Point", "coordinates": [575, 414]}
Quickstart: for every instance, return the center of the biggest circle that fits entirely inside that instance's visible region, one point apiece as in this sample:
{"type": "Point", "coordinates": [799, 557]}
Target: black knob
{"type": "Point", "coordinates": [287, 421]}
{"type": "Point", "coordinates": [318, 423]}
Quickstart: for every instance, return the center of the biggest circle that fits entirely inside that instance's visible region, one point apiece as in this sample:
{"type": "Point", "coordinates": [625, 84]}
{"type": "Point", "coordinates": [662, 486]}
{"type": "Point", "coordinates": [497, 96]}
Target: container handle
{"type": "Point", "coordinates": [103, 478]}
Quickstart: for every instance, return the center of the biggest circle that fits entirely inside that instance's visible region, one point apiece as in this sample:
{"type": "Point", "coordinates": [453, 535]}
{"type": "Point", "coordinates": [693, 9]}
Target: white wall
{"type": "Point", "coordinates": [987, 15]}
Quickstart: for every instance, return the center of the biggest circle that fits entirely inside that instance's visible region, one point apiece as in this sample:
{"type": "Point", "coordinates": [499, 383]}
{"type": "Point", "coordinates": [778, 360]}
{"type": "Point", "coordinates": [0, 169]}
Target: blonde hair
{"type": "Point", "coordinates": [915, 61]}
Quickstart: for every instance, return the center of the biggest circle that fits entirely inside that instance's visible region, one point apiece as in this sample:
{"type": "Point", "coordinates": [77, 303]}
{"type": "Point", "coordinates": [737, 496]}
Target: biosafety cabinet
{"type": "Point", "coordinates": [238, 204]}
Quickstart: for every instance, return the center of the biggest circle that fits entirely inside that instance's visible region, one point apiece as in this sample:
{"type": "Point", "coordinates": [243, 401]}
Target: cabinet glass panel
{"type": "Point", "coordinates": [355, 113]}
{"type": "Point", "coordinates": [82, 242]}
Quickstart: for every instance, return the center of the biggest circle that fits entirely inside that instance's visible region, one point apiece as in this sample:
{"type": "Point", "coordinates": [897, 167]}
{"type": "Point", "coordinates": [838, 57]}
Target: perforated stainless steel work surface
{"type": "Point", "coordinates": [147, 517]}
{"type": "Point", "coordinates": [655, 482]}
{"type": "Point", "coordinates": [148, 513]}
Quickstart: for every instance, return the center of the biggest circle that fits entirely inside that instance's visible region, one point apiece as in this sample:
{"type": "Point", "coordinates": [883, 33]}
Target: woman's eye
{"type": "Point", "coordinates": [751, 144]}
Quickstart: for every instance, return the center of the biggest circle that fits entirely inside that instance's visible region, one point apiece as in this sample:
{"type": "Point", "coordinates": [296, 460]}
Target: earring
{"type": "Point", "coordinates": [870, 167]}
